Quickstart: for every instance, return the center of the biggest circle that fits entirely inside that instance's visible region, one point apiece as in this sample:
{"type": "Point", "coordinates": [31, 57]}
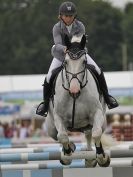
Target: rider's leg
{"type": "Point", "coordinates": [90, 61]}
{"type": "Point", "coordinates": [55, 64]}
{"type": "Point", "coordinates": [110, 101]}
{"type": "Point", "coordinates": [47, 88]}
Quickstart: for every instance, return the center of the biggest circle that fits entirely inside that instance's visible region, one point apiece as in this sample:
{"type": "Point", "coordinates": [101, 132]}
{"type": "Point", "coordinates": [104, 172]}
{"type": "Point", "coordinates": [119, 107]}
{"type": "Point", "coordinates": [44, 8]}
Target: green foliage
{"type": "Point", "coordinates": [128, 30]}
{"type": "Point", "coordinates": [103, 25]}
{"type": "Point", "coordinates": [26, 34]}
{"type": "Point", "coordinates": [123, 100]}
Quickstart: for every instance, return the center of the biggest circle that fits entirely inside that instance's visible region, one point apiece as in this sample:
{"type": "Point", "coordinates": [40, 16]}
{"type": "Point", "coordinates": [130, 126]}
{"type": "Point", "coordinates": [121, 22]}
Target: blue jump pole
{"type": "Point", "coordinates": [57, 145]}
{"type": "Point", "coordinates": [19, 157]}
{"type": "Point", "coordinates": [38, 149]}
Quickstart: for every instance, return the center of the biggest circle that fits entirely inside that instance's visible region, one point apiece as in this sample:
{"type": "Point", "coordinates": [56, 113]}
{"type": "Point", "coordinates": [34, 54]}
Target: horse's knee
{"type": "Point", "coordinates": [96, 134]}
{"type": "Point", "coordinates": [63, 138]}
{"type": "Point", "coordinates": [88, 132]}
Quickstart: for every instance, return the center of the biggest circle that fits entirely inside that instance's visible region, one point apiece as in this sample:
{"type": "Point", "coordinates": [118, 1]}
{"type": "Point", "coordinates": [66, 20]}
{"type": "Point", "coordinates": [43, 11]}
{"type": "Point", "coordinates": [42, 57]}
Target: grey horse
{"type": "Point", "coordinates": [77, 104]}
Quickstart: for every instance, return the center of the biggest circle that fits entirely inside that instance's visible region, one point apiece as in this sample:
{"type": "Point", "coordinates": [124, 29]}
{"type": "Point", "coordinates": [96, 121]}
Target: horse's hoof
{"type": "Point", "coordinates": [103, 160]}
{"type": "Point", "coordinates": [72, 146]}
{"type": "Point", "coordinates": [90, 163]}
{"type": "Point", "coordinates": [65, 162]}
{"type": "Point", "coordinates": [68, 152]}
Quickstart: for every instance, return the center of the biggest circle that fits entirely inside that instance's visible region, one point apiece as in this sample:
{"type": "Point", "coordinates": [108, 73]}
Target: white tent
{"type": "Point", "coordinates": [16, 83]}
{"type": "Point", "coordinates": [23, 86]}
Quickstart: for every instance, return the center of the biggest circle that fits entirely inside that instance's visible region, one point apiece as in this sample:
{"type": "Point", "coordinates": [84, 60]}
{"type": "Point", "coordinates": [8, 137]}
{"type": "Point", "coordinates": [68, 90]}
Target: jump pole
{"type": "Point", "coordinates": [54, 145]}
{"type": "Point", "coordinates": [37, 166]}
{"type": "Point", "coordinates": [37, 149]}
{"type": "Point", "coordinates": [45, 156]}
{"type": "Point", "coordinates": [20, 157]}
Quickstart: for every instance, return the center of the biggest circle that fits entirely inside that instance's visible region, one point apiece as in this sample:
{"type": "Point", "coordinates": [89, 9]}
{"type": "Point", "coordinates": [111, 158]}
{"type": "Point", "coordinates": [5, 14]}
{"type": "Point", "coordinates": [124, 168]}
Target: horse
{"type": "Point", "coordinates": [77, 105]}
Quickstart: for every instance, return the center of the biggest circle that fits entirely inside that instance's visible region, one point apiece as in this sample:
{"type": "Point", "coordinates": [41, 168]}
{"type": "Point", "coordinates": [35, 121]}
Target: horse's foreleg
{"type": "Point", "coordinates": [88, 136]}
{"type": "Point", "coordinates": [97, 125]}
{"type": "Point", "coordinates": [97, 130]}
{"type": "Point", "coordinates": [62, 136]}
{"type": "Point", "coordinates": [103, 159]}
{"type": "Point", "coordinates": [62, 133]}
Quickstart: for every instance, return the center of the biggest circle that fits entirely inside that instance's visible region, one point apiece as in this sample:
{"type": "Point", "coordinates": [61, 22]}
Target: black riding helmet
{"type": "Point", "coordinates": [67, 8]}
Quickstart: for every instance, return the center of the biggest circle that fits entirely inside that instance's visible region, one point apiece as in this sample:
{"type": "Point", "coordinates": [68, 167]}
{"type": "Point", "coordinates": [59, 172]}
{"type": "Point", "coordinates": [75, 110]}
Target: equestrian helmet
{"type": "Point", "coordinates": [67, 8]}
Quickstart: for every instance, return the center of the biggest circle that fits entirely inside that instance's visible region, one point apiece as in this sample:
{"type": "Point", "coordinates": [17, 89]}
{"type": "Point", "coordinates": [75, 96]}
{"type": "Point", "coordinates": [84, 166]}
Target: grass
{"type": "Point", "coordinates": [125, 100]}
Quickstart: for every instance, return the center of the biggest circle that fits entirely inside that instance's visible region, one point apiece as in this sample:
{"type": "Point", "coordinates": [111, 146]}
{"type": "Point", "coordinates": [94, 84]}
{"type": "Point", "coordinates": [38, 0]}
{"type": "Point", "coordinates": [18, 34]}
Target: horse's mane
{"type": "Point", "coordinates": [76, 44]}
{"type": "Point", "coordinates": [76, 38]}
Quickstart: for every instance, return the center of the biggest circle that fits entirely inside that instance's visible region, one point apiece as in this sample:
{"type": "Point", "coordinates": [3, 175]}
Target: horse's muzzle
{"type": "Point", "coordinates": [74, 88]}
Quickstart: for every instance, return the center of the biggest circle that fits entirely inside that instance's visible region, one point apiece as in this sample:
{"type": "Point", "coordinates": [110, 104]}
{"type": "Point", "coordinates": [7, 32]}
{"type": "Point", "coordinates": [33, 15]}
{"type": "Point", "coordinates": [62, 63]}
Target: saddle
{"type": "Point", "coordinates": [54, 76]}
{"type": "Point", "coordinates": [95, 75]}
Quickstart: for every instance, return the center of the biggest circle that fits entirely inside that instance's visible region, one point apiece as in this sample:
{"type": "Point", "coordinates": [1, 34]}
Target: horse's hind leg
{"type": "Point", "coordinates": [88, 136]}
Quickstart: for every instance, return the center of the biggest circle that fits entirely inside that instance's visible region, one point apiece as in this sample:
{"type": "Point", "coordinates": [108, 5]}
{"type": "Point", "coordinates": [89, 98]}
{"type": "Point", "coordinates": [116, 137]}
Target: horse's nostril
{"type": "Point", "coordinates": [74, 90]}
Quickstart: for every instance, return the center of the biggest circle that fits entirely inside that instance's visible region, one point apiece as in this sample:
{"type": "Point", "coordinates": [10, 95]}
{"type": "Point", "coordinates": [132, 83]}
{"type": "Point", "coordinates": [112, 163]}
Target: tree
{"type": "Point", "coordinates": [26, 37]}
{"type": "Point", "coordinates": [128, 32]}
{"type": "Point", "coordinates": [103, 26]}
{"type": "Point", "coordinates": [26, 34]}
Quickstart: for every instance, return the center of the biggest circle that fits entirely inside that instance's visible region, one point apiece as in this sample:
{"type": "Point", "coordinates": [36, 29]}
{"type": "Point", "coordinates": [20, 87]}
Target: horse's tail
{"type": "Point", "coordinates": [108, 141]}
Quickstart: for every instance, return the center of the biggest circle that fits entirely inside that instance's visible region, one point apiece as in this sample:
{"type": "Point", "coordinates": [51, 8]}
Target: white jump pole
{"type": "Point", "coordinates": [31, 166]}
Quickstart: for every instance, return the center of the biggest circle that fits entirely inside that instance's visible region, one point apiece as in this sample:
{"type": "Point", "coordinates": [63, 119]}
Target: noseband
{"type": "Point", "coordinates": [75, 56]}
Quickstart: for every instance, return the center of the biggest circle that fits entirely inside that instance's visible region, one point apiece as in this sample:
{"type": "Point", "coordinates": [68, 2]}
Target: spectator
{"type": "Point", "coordinates": [23, 132]}
{"type": "Point", "coordinates": [2, 135]}
{"type": "Point", "coordinates": [8, 130]}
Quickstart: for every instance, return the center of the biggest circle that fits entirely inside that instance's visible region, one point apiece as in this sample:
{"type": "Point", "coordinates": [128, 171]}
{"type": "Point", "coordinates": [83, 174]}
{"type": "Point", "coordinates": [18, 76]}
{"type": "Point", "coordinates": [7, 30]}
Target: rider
{"type": "Point", "coordinates": [68, 24]}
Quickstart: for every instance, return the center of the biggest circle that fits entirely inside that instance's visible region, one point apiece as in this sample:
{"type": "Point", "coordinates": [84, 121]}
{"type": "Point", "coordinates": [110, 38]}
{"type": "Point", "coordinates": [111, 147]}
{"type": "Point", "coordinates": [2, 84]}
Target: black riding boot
{"type": "Point", "coordinates": [42, 109]}
{"type": "Point", "coordinates": [110, 101]}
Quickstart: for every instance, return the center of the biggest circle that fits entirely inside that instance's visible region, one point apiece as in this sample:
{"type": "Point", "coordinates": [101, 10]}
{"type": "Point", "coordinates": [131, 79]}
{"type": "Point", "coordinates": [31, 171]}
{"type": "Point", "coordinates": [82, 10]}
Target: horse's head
{"type": "Point", "coordinates": [75, 63]}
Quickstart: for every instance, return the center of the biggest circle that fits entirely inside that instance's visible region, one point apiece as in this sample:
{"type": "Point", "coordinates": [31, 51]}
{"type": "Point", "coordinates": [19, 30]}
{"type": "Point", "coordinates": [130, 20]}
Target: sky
{"type": "Point", "coordinates": [119, 3]}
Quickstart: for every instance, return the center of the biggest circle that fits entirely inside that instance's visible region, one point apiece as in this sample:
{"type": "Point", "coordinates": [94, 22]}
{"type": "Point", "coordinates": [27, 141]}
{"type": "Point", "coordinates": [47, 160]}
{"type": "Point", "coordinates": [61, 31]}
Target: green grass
{"type": "Point", "coordinates": [125, 100]}
{"type": "Point", "coordinates": [19, 102]}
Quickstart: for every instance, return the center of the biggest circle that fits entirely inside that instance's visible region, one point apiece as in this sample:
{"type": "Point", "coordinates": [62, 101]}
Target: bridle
{"type": "Point", "coordinates": [75, 56]}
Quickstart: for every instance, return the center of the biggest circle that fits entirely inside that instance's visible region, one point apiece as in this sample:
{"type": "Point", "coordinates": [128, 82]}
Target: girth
{"type": "Point", "coordinates": [81, 129]}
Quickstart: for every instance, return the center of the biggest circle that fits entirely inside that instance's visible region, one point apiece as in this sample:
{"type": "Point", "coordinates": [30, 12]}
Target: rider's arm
{"type": "Point", "coordinates": [81, 28]}
{"type": "Point", "coordinates": [58, 39]}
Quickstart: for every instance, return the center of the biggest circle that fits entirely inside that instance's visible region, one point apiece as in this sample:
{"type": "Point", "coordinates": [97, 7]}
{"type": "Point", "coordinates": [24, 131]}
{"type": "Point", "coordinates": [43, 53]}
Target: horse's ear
{"type": "Point", "coordinates": [67, 42]}
{"type": "Point", "coordinates": [83, 42]}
